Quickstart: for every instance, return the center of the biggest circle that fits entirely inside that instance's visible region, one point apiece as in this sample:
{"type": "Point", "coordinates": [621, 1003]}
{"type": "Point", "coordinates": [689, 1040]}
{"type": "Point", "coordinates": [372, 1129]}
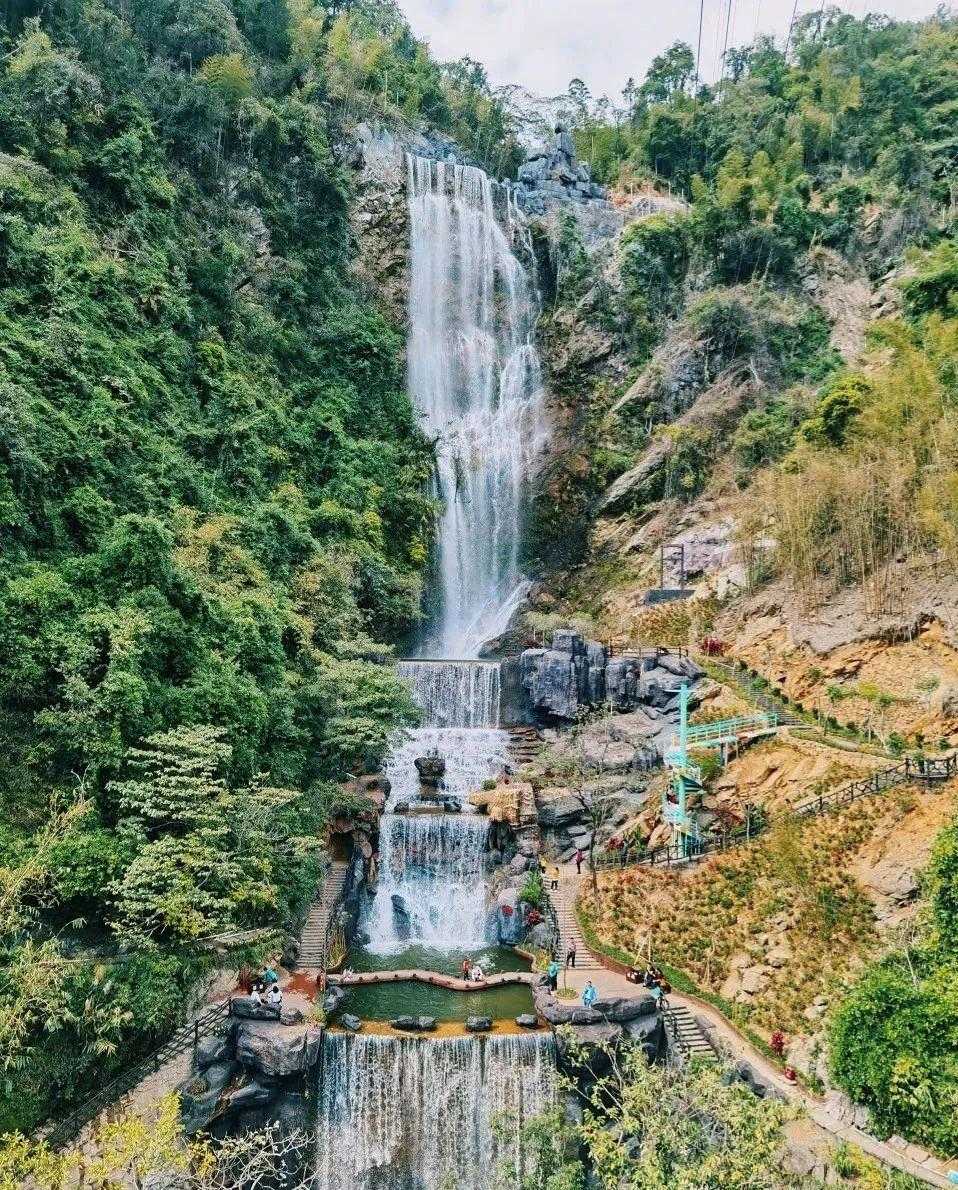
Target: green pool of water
{"type": "Point", "coordinates": [384, 1001]}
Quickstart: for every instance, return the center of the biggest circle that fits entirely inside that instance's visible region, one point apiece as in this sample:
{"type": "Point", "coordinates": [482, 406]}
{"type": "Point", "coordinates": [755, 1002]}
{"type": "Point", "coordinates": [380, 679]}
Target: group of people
{"type": "Point", "coordinates": [266, 991]}
{"type": "Point", "coordinates": [652, 978]}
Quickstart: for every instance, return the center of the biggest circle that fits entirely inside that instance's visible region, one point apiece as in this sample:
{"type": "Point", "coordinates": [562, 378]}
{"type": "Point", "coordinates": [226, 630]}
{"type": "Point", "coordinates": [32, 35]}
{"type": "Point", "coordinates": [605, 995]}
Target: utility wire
{"type": "Point", "coordinates": [791, 26]}
{"type": "Point", "coordinates": [698, 52]}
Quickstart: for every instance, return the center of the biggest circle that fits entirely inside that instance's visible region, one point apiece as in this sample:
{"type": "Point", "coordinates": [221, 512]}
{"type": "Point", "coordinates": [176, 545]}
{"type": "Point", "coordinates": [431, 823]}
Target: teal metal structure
{"type": "Point", "coordinates": [686, 775]}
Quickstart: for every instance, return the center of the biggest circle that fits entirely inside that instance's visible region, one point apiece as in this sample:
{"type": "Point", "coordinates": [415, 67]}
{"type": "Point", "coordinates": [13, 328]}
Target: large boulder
{"type": "Point", "coordinates": [274, 1051]}
{"type": "Point", "coordinates": [431, 770]}
{"type": "Point", "coordinates": [414, 1024]}
{"type": "Point", "coordinates": [478, 1024]}
{"type": "Point", "coordinates": [560, 811]}
{"type": "Point", "coordinates": [244, 1008]}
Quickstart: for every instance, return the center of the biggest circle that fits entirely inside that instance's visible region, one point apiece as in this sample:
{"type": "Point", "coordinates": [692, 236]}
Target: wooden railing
{"type": "Point", "coordinates": [907, 772]}
{"type": "Point", "coordinates": [188, 1037]}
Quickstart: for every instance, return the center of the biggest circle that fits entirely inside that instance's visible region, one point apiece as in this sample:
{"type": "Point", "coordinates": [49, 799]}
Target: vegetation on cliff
{"type": "Point", "coordinates": [213, 509]}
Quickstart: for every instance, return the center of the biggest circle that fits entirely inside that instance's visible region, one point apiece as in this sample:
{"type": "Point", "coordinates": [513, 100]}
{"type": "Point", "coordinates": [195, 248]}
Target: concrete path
{"type": "Point", "coordinates": [908, 1158]}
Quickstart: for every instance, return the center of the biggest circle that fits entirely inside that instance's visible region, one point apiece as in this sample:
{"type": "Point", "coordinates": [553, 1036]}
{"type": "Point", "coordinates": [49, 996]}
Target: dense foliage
{"type": "Point", "coordinates": [894, 1039]}
{"type": "Point", "coordinates": [213, 508]}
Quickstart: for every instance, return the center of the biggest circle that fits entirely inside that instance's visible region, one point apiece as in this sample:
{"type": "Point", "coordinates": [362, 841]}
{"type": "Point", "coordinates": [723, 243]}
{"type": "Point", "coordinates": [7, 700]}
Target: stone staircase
{"type": "Point", "coordinates": [563, 901]}
{"type": "Point", "coordinates": [312, 947]}
{"type": "Point", "coordinates": [687, 1033]}
{"type": "Point", "coordinates": [524, 745]}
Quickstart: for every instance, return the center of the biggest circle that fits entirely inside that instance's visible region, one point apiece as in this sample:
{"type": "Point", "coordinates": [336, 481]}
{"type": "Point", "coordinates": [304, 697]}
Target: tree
{"type": "Point", "coordinates": [646, 1125]}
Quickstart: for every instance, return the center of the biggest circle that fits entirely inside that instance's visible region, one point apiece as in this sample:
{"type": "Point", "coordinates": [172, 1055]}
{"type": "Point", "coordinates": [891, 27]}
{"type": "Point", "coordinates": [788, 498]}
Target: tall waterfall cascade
{"type": "Point", "coordinates": [414, 1114]}
{"type": "Point", "coordinates": [417, 1113]}
{"type": "Point", "coordinates": [475, 377]}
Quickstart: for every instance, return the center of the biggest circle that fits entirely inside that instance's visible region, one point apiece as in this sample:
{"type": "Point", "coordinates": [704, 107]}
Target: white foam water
{"type": "Point", "coordinates": [418, 1114]}
{"type": "Point", "coordinates": [455, 693]}
{"type": "Point", "coordinates": [475, 377]}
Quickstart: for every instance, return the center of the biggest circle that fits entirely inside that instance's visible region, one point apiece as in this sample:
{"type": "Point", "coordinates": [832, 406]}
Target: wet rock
{"type": "Point", "coordinates": [527, 1020]}
{"type": "Point", "coordinates": [431, 769]}
{"type": "Point", "coordinates": [333, 999]}
{"type": "Point", "coordinates": [402, 922]}
{"type": "Point", "coordinates": [275, 1052]}
{"type": "Point", "coordinates": [414, 1024]}
{"type": "Point", "coordinates": [478, 1024]}
{"type": "Point", "coordinates": [350, 1022]}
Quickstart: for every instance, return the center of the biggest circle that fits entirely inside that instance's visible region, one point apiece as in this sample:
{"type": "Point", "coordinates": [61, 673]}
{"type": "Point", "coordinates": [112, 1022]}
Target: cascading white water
{"type": "Point", "coordinates": [435, 864]}
{"type": "Point", "coordinates": [474, 375]}
{"type": "Point", "coordinates": [416, 1114]}
{"type": "Point", "coordinates": [455, 694]}
{"type": "Point", "coordinates": [431, 888]}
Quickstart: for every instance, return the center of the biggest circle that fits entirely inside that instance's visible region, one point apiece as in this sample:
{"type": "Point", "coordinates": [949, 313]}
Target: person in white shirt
{"type": "Point", "coordinates": [274, 998]}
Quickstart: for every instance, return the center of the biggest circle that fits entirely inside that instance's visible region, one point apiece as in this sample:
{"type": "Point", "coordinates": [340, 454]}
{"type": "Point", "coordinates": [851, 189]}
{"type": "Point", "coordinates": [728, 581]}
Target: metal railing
{"type": "Point", "coordinates": [188, 1037]}
{"type": "Point", "coordinates": [926, 772]}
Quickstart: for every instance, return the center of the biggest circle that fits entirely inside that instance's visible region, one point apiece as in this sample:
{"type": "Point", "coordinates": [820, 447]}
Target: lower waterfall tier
{"type": "Point", "coordinates": [414, 1114]}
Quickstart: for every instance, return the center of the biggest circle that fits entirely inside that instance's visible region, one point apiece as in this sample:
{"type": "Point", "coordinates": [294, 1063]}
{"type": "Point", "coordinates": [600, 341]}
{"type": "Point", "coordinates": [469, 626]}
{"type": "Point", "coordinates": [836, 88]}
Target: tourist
{"type": "Point", "coordinates": [634, 975]}
{"type": "Point", "coordinates": [590, 994]}
{"type": "Point", "coordinates": [579, 857]}
{"type": "Point", "coordinates": [274, 998]}
{"type": "Point", "coordinates": [554, 877]}
{"type": "Point", "coordinates": [256, 997]}
{"type": "Point", "coordinates": [270, 977]}
{"type": "Point", "coordinates": [478, 975]}
{"type": "Point", "coordinates": [570, 956]}
{"type": "Point", "coordinates": [466, 968]}
{"type": "Point", "coordinates": [553, 972]}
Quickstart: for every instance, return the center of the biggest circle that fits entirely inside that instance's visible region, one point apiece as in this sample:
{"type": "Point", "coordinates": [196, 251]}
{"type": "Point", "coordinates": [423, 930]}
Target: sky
{"type": "Point", "coordinates": [543, 44]}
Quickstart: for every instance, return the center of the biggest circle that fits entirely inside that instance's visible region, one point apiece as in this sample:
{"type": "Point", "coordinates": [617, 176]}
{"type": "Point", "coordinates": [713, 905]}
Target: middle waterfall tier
{"type": "Point", "coordinates": [455, 693]}
{"type": "Point", "coordinates": [431, 888]}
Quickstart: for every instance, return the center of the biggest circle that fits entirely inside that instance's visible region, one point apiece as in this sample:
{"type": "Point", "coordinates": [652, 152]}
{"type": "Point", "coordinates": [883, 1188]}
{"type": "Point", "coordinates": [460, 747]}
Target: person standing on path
{"type": "Point", "coordinates": [570, 956]}
{"type": "Point", "coordinates": [589, 994]}
{"type": "Point", "coordinates": [553, 972]}
{"type": "Point", "coordinates": [579, 857]}
{"type": "Point", "coordinates": [554, 877]}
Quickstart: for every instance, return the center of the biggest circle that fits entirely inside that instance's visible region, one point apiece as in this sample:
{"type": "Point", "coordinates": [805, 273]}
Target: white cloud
{"type": "Point", "coordinates": [545, 43]}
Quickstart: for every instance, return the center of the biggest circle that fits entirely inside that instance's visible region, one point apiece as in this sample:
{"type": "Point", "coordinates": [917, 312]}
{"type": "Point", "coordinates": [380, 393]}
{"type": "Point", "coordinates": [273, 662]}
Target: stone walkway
{"type": "Point", "coordinates": [312, 947]}
{"type": "Point", "coordinates": [908, 1158]}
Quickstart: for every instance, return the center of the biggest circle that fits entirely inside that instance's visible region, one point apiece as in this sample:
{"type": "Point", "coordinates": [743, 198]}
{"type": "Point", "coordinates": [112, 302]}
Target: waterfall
{"type": "Point", "coordinates": [416, 1114]}
{"type": "Point", "coordinates": [455, 693]}
{"type": "Point", "coordinates": [475, 377]}
{"type": "Point", "coordinates": [431, 886]}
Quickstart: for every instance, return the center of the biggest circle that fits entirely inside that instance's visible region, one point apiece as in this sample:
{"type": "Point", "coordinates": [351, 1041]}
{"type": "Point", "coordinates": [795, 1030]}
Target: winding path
{"type": "Point", "coordinates": [908, 1158]}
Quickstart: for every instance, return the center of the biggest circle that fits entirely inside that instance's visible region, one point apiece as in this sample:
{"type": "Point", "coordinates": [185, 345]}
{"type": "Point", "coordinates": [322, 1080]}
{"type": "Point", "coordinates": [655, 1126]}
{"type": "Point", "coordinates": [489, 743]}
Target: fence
{"type": "Point", "coordinates": [188, 1037]}
{"type": "Point", "coordinates": [927, 772]}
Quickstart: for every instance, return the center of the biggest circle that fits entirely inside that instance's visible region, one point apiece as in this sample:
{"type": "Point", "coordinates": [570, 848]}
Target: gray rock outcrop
{"type": "Point", "coordinates": [575, 674]}
{"type": "Point", "coordinates": [275, 1051]}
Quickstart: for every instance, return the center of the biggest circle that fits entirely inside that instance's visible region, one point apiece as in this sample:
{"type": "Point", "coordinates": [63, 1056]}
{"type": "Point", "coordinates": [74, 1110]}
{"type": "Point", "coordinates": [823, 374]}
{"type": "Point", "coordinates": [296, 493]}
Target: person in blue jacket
{"type": "Point", "coordinates": [589, 994]}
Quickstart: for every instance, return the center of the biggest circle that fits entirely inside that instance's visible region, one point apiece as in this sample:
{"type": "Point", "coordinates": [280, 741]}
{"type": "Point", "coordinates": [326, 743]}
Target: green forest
{"type": "Point", "coordinates": [215, 519]}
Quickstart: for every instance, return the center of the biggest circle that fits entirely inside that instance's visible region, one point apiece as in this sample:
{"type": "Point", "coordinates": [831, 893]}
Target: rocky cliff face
{"type": "Point", "coordinates": [576, 675]}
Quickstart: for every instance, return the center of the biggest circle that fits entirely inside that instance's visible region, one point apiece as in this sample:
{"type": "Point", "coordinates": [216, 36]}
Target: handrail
{"type": "Point", "coordinates": [70, 1127]}
{"type": "Point", "coordinates": [925, 771]}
